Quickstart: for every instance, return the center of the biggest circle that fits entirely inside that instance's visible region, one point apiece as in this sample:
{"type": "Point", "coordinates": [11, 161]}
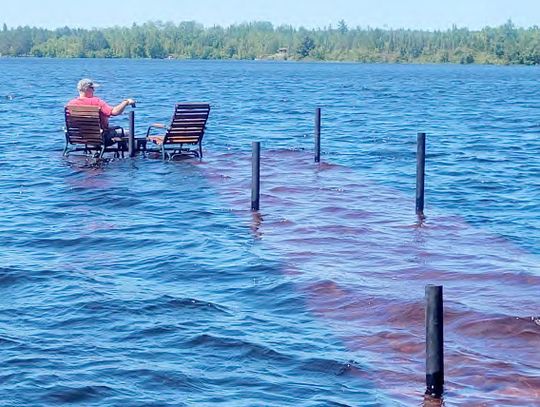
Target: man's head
{"type": "Point", "coordinates": [86, 87]}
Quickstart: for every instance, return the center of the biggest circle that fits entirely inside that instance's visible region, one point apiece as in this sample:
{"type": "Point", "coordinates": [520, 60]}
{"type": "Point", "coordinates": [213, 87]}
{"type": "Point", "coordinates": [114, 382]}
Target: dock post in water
{"type": "Point", "coordinates": [131, 136]}
{"type": "Point", "coordinates": [434, 341]}
{"type": "Point", "coordinates": [420, 173]}
{"type": "Point", "coordinates": [318, 135]}
{"type": "Point", "coordinates": [255, 175]}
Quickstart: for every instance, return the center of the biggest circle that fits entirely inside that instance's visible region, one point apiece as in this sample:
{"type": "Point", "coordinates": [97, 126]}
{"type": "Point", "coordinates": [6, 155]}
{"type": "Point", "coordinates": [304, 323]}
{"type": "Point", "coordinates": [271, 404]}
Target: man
{"type": "Point", "coordinates": [86, 97]}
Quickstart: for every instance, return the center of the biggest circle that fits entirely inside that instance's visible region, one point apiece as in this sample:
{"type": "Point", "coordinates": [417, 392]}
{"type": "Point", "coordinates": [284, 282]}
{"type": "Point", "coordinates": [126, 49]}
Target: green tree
{"type": "Point", "coordinates": [342, 27]}
{"type": "Point", "coordinates": [306, 46]}
{"type": "Point", "coordinates": [94, 41]}
{"type": "Point", "coordinates": [506, 44]}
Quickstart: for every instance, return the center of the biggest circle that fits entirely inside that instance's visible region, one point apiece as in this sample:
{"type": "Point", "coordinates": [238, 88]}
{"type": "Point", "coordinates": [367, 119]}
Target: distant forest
{"type": "Point", "coordinates": [506, 44]}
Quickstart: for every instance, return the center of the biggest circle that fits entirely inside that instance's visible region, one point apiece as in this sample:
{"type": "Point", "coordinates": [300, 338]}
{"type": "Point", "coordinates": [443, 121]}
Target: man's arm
{"type": "Point", "coordinates": [119, 108]}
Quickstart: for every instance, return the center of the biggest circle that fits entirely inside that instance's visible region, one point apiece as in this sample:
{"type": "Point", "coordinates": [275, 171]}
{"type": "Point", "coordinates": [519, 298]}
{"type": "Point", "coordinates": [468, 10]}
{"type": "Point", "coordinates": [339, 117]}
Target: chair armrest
{"type": "Point", "coordinates": [118, 128]}
{"type": "Point", "coordinates": [155, 126]}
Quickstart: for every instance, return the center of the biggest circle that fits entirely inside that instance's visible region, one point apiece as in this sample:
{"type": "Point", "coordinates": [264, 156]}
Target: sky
{"type": "Point", "coordinates": [421, 14]}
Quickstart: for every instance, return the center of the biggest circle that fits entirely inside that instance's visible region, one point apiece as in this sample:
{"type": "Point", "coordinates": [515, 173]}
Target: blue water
{"type": "Point", "coordinates": [138, 282]}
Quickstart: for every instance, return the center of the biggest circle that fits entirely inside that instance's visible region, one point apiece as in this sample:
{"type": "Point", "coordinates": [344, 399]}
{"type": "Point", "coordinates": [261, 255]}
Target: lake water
{"type": "Point", "coordinates": [139, 282]}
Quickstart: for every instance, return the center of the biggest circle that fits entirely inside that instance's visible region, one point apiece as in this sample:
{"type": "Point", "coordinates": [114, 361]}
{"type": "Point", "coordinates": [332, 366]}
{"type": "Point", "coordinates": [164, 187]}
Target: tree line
{"type": "Point", "coordinates": [505, 44]}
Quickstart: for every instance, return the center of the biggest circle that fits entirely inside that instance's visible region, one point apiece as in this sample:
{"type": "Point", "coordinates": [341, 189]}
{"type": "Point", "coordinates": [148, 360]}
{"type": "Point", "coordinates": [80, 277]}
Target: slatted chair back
{"type": "Point", "coordinates": [83, 125]}
{"type": "Point", "coordinates": [188, 124]}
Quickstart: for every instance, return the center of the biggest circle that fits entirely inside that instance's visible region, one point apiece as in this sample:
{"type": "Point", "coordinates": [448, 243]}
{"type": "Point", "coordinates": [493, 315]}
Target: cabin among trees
{"type": "Point", "coordinates": [506, 44]}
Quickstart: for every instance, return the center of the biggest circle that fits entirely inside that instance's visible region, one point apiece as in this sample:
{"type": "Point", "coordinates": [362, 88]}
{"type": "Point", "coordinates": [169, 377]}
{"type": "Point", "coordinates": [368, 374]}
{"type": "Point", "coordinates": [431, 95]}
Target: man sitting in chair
{"type": "Point", "coordinates": [86, 97]}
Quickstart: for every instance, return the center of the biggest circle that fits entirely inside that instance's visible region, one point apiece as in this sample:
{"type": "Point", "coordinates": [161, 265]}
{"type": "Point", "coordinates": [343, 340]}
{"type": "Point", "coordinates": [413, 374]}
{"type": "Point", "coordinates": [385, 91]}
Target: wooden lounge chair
{"type": "Point", "coordinates": [186, 129]}
{"type": "Point", "coordinates": [84, 131]}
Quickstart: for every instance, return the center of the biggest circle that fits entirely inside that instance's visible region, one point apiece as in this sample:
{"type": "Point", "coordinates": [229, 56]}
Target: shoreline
{"type": "Point", "coordinates": [273, 60]}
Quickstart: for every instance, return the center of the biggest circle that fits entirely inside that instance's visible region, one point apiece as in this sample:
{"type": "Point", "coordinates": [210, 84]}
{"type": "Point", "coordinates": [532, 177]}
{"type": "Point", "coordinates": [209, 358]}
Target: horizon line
{"type": "Point", "coordinates": [384, 27]}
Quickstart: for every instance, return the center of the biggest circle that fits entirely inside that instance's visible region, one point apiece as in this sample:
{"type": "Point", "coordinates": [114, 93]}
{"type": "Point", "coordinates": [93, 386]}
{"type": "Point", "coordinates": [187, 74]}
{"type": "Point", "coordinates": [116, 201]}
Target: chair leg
{"type": "Point", "coordinates": [141, 146]}
{"type": "Point", "coordinates": [102, 151]}
{"type": "Point", "coordinates": [65, 150]}
{"type": "Point", "coordinates": [200, 151]}
{"type": "Point", "coordinates": [163, 152]}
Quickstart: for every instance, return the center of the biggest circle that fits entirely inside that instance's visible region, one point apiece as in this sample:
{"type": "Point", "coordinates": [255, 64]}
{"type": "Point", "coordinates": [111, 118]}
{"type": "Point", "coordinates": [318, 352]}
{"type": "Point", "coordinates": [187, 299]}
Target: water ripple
{"type": "Point", "coordinates": [144, 283]}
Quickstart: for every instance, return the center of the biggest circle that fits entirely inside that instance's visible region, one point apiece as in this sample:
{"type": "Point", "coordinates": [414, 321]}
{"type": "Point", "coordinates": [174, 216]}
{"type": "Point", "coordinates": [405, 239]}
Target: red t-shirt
{"type": "Point", "coordinates": [106, 110]}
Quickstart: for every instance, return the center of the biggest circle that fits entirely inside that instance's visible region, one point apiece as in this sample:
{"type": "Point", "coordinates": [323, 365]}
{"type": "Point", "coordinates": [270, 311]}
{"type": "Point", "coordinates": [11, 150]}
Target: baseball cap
{"type": "Point", "coordinates": [86, 83]}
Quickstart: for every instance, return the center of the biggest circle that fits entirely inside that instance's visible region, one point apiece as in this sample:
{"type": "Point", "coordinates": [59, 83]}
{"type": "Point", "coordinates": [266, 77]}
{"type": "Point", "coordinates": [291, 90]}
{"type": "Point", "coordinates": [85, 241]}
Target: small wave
{"type": "Point", "coordinates": [11, 276]}
{"type": "Point", "coordinates": [167, 302]}
{"type": "Point", "coordinates": [68, 394]}
{"type": "Point", "coordinates": [333, 366]}
{"type": "Point", "coordinates": [242, 349]}
{"type": "Point", "coordinates": [515, 329]}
